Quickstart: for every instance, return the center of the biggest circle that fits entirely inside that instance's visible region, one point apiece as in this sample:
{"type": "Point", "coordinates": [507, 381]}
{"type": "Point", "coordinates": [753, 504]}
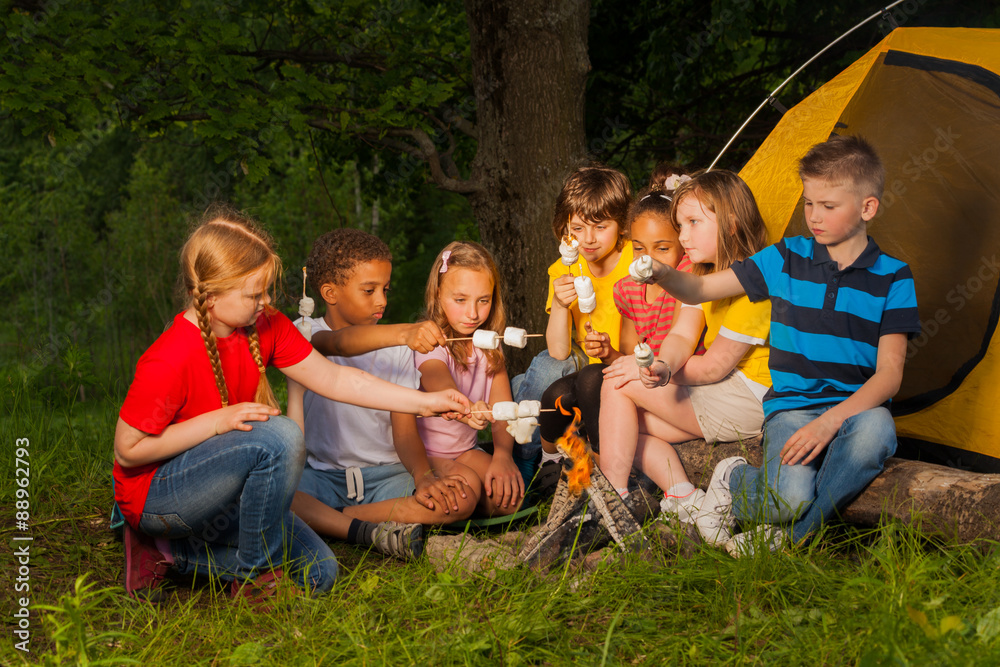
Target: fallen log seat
{"type": "Point", "coordinates": [953, 504]}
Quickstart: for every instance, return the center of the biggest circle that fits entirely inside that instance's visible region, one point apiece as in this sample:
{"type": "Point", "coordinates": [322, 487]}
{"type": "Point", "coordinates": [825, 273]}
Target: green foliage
{"type": "Point", "coordinates": [69, 624]}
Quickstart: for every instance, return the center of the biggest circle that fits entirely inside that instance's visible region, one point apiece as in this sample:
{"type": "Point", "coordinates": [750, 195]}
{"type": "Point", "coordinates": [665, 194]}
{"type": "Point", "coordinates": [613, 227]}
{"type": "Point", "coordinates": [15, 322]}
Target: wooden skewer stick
{"type": "Point", "coordinates": [303, 281]}
{"type": "Point", "coordinates": [501, 338]}
{"type": "Point", "coordinates": [489, 412]}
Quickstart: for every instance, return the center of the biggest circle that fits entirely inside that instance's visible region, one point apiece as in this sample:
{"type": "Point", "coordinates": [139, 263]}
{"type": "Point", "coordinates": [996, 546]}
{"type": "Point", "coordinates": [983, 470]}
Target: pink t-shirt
{"type": "Point", "coordinates": [448, 439]}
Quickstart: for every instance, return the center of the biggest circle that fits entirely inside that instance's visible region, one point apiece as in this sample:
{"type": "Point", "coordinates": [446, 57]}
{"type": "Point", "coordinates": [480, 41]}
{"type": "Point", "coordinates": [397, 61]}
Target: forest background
{"type": "Point", "coordinates": [421, 122]}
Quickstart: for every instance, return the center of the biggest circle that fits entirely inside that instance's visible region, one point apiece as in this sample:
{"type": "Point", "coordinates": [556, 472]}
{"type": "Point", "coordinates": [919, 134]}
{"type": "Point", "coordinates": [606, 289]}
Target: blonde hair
{"type": "Point", "coordinates": [466, 255]}
{"type": "Point", "coordinates": [221, 252]}
{"type": "Point", "coordinates": [846, 160]}
{"type": "Point", "coordinates": [741, 229]}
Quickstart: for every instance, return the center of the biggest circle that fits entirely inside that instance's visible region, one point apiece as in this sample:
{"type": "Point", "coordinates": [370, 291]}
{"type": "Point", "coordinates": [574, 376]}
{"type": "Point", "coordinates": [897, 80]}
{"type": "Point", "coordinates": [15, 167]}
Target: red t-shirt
{"type": "Point", "coordinates": [174, 382]}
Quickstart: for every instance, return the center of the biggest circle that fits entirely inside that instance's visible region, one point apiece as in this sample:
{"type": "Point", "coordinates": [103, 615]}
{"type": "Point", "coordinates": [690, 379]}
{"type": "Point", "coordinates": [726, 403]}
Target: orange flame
{"type": "Point", "coordinates": [576, 449]}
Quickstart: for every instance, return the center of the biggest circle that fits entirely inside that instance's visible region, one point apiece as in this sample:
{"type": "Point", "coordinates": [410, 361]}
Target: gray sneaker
{"type": "Point", "coordinates": [764, 538]}
{"type": "Point", "coordinates": [400, 540]}
{"type": "Point", "coordinates": [685, 509]}
{"type": "Point", "coordinates": [715, 518]}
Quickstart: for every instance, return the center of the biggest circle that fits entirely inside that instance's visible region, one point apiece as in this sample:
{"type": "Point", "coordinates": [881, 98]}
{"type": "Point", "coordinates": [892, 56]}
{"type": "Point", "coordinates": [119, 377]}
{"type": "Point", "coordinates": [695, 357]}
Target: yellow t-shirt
{"type": "Point", "coordinates": [746, 322]}
{"type": "Point", "coordinates": [605, 317]}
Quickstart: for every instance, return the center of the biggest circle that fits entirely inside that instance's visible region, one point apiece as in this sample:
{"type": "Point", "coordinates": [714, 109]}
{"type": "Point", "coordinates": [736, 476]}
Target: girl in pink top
{"type": "Point", "coordinates": [463, 295]}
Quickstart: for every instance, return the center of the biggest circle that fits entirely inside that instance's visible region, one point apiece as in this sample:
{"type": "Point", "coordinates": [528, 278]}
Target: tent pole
{"type": "Point", "coordinates": [770, 98]}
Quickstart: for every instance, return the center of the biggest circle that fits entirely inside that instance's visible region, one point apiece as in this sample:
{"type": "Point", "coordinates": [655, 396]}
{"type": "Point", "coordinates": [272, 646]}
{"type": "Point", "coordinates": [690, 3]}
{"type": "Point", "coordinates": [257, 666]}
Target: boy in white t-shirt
{"type": "Point", "coordinates": [367, 478]}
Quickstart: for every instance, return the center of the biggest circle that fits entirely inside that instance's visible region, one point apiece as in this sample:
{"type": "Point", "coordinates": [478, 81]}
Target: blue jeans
{"type": "Point", "coordinates": [530, 385]}
{"type": "Point", "coordinates": [810, 493]}
{"type": "Point", "coordinates": [224, 505]}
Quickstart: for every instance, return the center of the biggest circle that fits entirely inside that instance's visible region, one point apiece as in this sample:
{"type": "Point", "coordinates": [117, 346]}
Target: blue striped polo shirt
{"type": "Point", "coordinates": [826, 323]}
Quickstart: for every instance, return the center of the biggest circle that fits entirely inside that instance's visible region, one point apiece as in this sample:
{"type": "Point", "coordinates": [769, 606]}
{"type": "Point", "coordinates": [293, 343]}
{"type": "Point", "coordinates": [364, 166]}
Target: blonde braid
{"type": "Point", "coordinates": [264, 393]}
{"type": "Point", "coordinates": [199, 297]}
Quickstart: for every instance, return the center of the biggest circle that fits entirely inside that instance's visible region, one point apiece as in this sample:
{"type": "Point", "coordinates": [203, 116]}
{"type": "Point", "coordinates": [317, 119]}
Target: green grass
{"type": "Point", "coordinates": [872, 597]}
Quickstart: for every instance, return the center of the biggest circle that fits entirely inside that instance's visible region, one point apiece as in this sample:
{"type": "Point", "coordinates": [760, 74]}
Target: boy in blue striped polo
{"type": "Point", "coordinates": [841, 313]}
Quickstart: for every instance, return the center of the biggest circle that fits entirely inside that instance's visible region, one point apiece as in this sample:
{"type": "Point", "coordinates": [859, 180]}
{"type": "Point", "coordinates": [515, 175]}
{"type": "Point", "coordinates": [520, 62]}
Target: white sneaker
{"type": "Point", "coordinates": [765, 537]}
{"type": "Point", "coordinates": [684, 508]}
{"type": "Point", "coordinates": [715, 518]}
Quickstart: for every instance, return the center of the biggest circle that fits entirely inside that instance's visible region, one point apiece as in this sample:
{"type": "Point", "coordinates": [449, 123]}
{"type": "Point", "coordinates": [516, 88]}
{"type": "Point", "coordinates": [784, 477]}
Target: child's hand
{"type": "Point", "coordinates": [809, 441]}
{"type": "Point", "coordinates": [660, 271]}
{"type": "Point", "coordinates": [622, 371]}
{"type": "Point", "coordinates": [657, 375]}
{"type": "Point", "coordinates": [503, 482]}
{"type": "Point", "coordinates": [423, 337]}
{"type": "Point", "coordinates": [432, 490]}
{"type": "Point", "coordinates": [448, 403]}
{"type": "Point", "coordinates": [234, 417]}
{"type": "Point", "coordinates": [563, 291]}
{"type": "Point", "coordinates": [482, 419]}
{"type": "Point", "coordinates": [596, 344]}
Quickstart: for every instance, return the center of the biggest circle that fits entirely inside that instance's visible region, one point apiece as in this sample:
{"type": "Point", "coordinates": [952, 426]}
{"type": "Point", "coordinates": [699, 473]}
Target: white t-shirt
{"type": "Point", "coordinates": [339, 435]}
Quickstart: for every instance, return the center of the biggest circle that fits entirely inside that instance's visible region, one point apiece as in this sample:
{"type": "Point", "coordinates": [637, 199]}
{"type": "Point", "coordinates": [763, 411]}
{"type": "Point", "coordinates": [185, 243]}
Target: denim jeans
{"type": "Point", "coordinates": [810, 493]}
{"type": "Point", "coordinates": [224, 505]}
{"type": "Point", "coordinates": [530, 385]}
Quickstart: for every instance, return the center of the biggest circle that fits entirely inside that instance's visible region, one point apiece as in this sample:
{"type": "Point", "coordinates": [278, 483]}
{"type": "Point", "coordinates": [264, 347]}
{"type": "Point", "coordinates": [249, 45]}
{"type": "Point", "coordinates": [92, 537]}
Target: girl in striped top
{"type": "Point", "coordinates": [647, 311]}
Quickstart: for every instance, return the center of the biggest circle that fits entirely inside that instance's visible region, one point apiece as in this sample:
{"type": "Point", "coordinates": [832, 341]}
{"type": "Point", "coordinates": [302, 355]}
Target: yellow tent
{"type": "Point", "coordinates": [928, 99]}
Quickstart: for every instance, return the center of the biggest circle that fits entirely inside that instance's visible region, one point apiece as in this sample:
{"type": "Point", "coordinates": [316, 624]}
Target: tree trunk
{"type": "Point", "coordinates": [530, 64]}
{"type": "Point", "coordinates": [945, 502]}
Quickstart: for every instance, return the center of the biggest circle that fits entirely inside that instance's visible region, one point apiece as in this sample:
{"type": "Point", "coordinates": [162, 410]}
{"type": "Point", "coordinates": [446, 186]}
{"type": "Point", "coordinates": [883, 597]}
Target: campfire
{"type": "Point", "coordinates": [575, 449]}
{"type": "Point", "coordinates": [583, 496]}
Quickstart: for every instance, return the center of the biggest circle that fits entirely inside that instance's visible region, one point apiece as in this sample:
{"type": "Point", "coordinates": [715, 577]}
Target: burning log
{"type": "Point", "coordinates": [585, 510]}
{"type": "Point", "coordinates": [956, 504]}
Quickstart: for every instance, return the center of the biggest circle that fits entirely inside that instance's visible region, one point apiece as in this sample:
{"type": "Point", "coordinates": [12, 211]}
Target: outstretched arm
{"type": "Point", "coordinates": [362, 338]}
{"type": "Point", "coordinates": [807, 443]}
{"type": "Point", "coordinates": [350, 385]}
{"type": "Point", "coordinates": [689, 288]}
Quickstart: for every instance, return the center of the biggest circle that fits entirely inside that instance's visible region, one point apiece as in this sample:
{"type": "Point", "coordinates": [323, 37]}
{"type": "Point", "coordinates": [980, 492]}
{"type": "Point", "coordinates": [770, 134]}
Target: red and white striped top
{"type": "Point", "coordinates": [652, 320]}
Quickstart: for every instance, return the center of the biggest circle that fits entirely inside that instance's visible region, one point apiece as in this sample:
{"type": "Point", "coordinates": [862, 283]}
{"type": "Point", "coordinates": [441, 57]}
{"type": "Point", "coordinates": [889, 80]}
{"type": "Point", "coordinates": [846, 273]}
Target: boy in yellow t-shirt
{"type": "Point", "coordinates": [592, 208]}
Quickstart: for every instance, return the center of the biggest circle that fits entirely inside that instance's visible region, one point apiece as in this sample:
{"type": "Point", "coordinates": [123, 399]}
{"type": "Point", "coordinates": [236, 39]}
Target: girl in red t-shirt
{"type": "Point", "coordinates": [203, 461]}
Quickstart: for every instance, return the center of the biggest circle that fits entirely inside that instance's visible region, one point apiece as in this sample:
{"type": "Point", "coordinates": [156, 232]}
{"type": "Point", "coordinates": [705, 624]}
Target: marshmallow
{"type": "Point", "coordinates": [643, 355]}
{"type": "Point", "coordinates": [505, 411]}
{"type": "Point", "coordinates": [584, 287]}
{"type": "Point", "coordinates": [305, 327]}
{"type": "Point", "coordinates": [528, 409]}
{"type": "Point", "coordinates": [641, 269]}
{"type": "Point", "coordinates": [515, 337]}
{"type": "Point", "coordinates": [569, 252]}
{"type": "Point", "coordinates": [485, 339]}
{"type": "Point", "coordinates": [306, 306]}
{"type": "Point", "coordinates": [522, 429]}
{"type": "Point", "coordinates": [585, 294]}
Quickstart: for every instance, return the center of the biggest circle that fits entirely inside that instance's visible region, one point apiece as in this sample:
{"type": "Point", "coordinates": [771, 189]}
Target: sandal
{"type": "Point", "coordinates": [145, 566]}
{"type": "Point", "coordinates": [262, 591]}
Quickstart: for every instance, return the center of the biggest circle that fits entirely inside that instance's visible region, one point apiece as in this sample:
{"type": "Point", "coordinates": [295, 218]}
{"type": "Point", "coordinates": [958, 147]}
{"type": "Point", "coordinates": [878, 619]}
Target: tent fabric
{"type": "Point", "coordinates": [928, 99]}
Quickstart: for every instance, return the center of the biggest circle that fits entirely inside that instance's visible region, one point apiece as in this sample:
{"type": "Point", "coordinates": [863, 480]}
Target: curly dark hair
{"type": "Point", "coordinates": [335, 254]}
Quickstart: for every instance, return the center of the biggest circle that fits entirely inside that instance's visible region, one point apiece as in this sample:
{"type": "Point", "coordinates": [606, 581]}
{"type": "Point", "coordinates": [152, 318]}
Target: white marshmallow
{"type": "Point", "coordinates": [305, 327]}
{"type": "Point", "coordinates": [588, 305]}
{"type": "Point", "coordinates": [505, 411]}
{"type": "Point", "coordinates": [529, 409]}
{"type": "Point", "coordinates": [584, 287]}
{"type": "Point", "coordinates": [485, 339]}
{"type": "Point", "coordinates": [522, 429]}
{"type": "Point", "coordinates": [569, 252]}
{"type": "Point", "coordinates": [643, 355]}
{"type": "Point", "coordinates": [306, 306]}
{"type": "Point", "coordinates": [641, 269]}
{"type": "Point", "coordinates": [515, 337]}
